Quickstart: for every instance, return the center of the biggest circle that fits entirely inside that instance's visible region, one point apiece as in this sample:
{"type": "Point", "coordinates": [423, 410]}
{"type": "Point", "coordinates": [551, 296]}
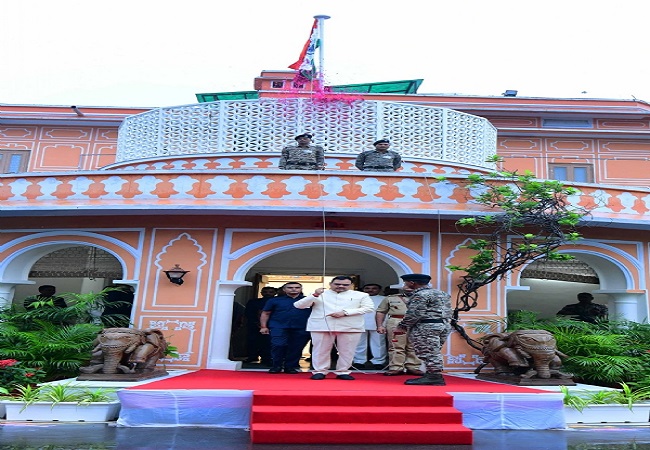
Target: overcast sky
{"type": "Point", "coordinates": [161, 53]}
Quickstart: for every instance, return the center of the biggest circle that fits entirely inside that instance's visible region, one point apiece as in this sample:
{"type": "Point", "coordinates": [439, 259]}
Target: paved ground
{"type": "Point", "coordinates": [87, 436]}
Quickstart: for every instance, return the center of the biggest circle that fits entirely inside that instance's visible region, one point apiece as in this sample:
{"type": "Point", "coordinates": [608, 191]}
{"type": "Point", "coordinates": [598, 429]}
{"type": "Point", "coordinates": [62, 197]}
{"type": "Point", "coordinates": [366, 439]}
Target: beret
{"type": "Point", "coordinates": [416, 277]}
{"type": "Point", "coordinates": [309, 135]}
{"type": "Point", "coordinates": [380, 141]}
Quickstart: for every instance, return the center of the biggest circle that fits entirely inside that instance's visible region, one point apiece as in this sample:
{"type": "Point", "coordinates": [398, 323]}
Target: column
{"type": "Point", "coordinates": [7, 291]}
{"type": "Point", "coordinates": [219, 344]}
{"type": "Point", "coordinates": [626, 304]}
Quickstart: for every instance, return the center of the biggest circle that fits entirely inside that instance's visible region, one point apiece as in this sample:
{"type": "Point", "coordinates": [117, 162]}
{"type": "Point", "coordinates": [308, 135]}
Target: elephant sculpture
{"type": "Point", "coordinates": [126, 351]}
{"type": "Point", "coordinates": [523, 353]}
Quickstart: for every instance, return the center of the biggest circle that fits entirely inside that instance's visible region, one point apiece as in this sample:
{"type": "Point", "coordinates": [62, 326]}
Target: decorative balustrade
{"type": "Point", "coordinates": [280, 190]}
{"type": "Point", "coordinates": [267, 125]}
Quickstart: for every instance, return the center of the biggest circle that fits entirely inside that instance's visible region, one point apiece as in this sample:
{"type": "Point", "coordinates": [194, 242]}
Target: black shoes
{"type": "Point", "coordinates": [291, 371]}
{"type": "Point", "coordinates": [275, 370]}
{"type": "Point", "coordinates": [429, 379]}
{"type": "Point", "coordinates": [345, 377]}
{"type": "Point", "coordinates": [321, 376]}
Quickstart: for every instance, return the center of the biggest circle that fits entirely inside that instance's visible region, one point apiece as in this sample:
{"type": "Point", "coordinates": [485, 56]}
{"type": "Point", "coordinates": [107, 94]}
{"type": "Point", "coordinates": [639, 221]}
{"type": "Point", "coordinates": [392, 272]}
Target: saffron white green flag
{"type": "Point", "coordinates": [305, 63]}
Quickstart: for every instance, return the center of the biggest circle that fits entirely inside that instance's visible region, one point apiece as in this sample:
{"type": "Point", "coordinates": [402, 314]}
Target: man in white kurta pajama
{"type": "Point", "coordinates": [336, 319]}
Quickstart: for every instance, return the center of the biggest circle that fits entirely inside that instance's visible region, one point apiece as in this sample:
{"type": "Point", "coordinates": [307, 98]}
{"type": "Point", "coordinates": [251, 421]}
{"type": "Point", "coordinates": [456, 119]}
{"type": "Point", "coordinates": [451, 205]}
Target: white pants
{"type": "Point", "coordinates": [322, 341]}
{"type": "Point", "coordinates": [377, 348]}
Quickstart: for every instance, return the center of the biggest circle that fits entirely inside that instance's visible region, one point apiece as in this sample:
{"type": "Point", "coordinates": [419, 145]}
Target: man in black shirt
{"type": "Point", "coordinates": [259, 345]}
{"type": "Point", "coordinates": [46, 293]}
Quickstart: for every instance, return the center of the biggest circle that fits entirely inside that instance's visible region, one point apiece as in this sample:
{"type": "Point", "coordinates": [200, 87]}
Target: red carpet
{"type": "Point", "coordinates": [372, 382]}
{"type": "Point", "coordinates": [373, 409]}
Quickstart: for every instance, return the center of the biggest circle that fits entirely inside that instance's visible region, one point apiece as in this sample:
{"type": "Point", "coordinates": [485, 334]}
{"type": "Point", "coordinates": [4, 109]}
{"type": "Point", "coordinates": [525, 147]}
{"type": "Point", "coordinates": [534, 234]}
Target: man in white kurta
{"type": "Point", "coordinates": [336, 319]}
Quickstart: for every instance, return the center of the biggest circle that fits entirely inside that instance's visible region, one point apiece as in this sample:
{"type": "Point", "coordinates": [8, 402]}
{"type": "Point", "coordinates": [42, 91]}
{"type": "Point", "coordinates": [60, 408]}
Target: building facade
{"type": "Point", "coordinates": [92, 196]}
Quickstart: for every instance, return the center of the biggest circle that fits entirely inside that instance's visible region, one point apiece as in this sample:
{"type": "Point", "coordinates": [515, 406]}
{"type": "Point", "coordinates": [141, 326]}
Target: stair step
{"type": "Point", "coordinates": [345, 398]}
{"type": "Point", "coordinates": [360, 433]}
{"type": "Point", "coordinates": [347, 414]}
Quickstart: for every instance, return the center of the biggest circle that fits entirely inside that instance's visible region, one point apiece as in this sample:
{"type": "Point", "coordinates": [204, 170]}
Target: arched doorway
{"type": "Point", "coordinates": [76, 268]}
{"type": "Point", "coordinates": [314, 262]}
{"type": "Point", "coordinates": [614, 280]}
{"type": "Point", "coordinates": [44, 257]}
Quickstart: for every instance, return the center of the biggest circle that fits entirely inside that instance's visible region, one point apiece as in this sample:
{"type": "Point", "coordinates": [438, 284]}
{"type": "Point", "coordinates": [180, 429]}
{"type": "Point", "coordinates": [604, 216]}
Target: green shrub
{"type": "Point", "coordinates": [57, 341]}
{"type": "Point", "coordinates": [606, 353]}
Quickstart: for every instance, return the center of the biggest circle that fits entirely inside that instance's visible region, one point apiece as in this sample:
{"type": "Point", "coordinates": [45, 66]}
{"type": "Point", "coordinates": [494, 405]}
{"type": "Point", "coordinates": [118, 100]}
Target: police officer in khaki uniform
{"type": "Point", "coordinates": [427, 321]}
{"type": "Point", "coordinates": [380, 159]}
{"type": "Point", "coordinates": [303, 156]}
{"type": "Point", "coordinates": [401, 355]}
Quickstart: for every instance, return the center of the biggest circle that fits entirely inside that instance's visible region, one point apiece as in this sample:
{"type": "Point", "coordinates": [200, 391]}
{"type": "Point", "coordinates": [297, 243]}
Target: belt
{"type": "Point", "coordinates": [396, 317]}
{"type": "Point", "coordinates": [432, 321]}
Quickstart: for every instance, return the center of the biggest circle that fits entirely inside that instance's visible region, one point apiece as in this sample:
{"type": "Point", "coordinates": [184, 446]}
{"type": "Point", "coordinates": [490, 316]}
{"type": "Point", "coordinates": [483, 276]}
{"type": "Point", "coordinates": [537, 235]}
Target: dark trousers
{"type": "Point", "coordinates": [287, 345]}
{"type": "Point", "coordinates": [258, 345]}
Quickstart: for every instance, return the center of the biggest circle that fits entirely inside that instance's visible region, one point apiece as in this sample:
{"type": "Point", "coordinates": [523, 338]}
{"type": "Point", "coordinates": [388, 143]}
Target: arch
{"type": "Point", "coordinates": [23, 252]}
{"type": "Point", "coordinates": [399, 258]}
{"type": "Point", "coordinates": [396, 258]}
{"type": "Point", "coordinates": [16, 266]}
{"type": "Point", "coordinates": [621, 281]}
{"type": "Point", "coordinates": [613, 266]}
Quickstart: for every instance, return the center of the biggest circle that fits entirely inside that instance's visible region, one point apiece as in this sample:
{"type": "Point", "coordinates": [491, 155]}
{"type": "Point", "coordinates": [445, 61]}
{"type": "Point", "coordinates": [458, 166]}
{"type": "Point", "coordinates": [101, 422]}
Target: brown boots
{"type": "Point", "coordinates": [430, 379]}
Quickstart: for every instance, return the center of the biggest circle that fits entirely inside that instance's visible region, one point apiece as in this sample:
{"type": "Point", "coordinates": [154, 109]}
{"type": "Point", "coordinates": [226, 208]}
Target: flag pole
{"type": "Point", "coordinates": [321, 18]}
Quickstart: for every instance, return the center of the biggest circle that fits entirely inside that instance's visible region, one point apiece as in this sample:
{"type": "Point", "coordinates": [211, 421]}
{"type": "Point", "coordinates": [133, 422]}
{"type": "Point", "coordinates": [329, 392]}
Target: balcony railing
{"type": "Point", "coordinates": [267, 125]}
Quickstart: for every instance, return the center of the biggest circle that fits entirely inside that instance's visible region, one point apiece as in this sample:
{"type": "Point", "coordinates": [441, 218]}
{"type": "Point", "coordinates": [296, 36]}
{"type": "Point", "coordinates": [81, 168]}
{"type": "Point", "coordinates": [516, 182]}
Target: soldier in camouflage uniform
{"type": "Point", "coordinates": [380, 159]}
{"type": "Point", "coordinates": [427, 322]}
{"type": "Point", "coordinates": [303, 156]}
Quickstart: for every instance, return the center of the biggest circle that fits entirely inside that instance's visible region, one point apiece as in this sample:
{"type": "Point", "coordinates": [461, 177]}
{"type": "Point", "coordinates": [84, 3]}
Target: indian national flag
{"type": "Point", "coordinates": [305, 63]}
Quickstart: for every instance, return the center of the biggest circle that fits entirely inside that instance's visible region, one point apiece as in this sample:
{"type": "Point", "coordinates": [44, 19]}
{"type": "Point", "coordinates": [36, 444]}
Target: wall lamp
{"type": "Point", "coordinates": [176, 274]}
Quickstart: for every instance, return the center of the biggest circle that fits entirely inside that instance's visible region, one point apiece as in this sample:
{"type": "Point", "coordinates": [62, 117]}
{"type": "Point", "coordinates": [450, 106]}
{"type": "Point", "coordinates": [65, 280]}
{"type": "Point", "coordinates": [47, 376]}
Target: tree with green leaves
{"type": "Point", "coordinates": [532, 218]}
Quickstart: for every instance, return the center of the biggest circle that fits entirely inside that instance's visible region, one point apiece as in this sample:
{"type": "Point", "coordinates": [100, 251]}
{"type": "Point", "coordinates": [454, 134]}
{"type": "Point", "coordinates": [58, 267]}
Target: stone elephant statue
{"type": "Point", "coordinates": [524, 354]}
{"type": "Point", "coordinates": [126, 351]}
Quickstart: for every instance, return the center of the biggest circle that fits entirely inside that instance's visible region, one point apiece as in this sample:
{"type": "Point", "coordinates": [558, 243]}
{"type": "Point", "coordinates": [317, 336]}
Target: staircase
{"type": "Point", "coordinates": [356, 417]}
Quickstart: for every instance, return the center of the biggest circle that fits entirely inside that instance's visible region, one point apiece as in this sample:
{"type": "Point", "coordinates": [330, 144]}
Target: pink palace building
{"type": "Point", "coordinates": [91, 196]}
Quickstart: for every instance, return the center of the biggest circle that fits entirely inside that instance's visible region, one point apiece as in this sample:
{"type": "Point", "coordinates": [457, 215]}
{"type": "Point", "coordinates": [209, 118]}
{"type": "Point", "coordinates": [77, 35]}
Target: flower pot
{"type": "Point", "coordinates": [640, 413]}
{"type": "Point", "coordinates": [62, 412]}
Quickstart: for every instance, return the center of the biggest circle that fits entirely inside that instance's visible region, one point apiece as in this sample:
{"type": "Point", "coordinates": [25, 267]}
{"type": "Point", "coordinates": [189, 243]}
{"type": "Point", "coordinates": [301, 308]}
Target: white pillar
{"type": "Point", "coordinates": [219, 345]}
{"type": "Point", "coordinates": [626, 304]}
{"type": "Point", "coordinates": [7, 291]}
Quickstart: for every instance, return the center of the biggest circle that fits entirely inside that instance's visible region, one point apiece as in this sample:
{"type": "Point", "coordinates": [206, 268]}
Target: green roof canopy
{"type": "Point", "coordinates": [241, 95]}
{"type": "Point", "coordinates": [384, 87]}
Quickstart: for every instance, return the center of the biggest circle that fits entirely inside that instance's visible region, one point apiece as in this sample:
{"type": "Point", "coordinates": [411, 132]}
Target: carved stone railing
{"type": "Point", "coordinates": [266, 125]}
{"type": "Point", "coordinates": [185, 189]}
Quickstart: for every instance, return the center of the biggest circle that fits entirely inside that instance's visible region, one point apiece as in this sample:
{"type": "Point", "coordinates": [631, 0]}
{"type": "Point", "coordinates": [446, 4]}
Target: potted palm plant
{"type": "Point", "coordinates": [60, 402]}
{"type": "Point", "coordinates": [623, 405]}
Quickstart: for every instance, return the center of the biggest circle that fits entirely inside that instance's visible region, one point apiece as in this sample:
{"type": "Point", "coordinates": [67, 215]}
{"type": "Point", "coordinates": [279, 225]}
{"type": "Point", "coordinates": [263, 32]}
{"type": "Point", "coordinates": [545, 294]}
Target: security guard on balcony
{"type": "Point", "coordinates": [380, 159]}
{"type": "Point", "coordinates": [303, 156]}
